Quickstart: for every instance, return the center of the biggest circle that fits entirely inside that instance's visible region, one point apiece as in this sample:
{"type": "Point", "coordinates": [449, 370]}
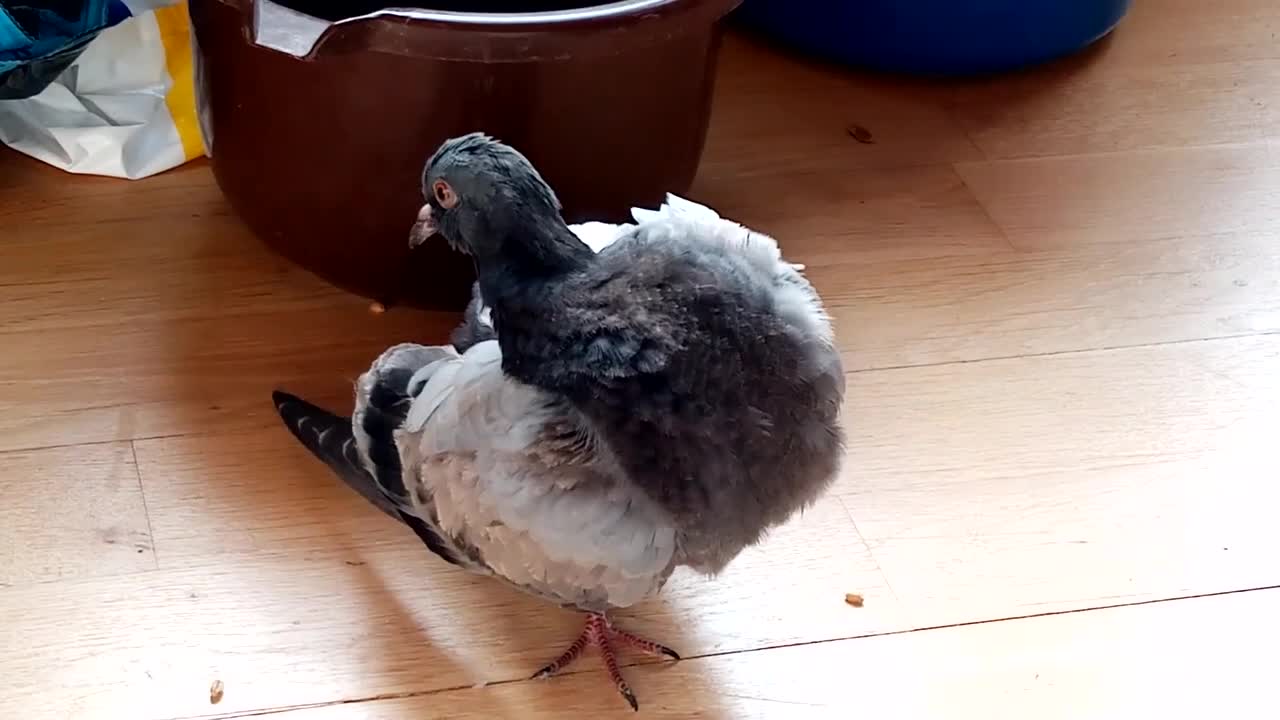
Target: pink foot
{"type": "Point", "coordinates": [600, 633]}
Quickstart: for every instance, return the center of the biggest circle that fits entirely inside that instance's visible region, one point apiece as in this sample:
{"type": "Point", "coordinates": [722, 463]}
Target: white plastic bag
{"type": "Point", "coordinates": [125, 108]}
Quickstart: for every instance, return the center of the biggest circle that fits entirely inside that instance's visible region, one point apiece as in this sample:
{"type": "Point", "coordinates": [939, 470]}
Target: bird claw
{"type": "Point", "coordinates": [630, 698]}
{"type": "Point", "coordinates": [599, 632]}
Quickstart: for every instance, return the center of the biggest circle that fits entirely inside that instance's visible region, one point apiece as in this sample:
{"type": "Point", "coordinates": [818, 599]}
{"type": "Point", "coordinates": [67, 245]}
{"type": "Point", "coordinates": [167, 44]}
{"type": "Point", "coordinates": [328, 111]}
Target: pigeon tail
{"type": "Point", "coordinates": [331, 439]}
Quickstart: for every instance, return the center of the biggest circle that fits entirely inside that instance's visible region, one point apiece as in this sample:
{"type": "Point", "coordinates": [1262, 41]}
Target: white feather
{"type": "Point", "coordinates": [598, 235]}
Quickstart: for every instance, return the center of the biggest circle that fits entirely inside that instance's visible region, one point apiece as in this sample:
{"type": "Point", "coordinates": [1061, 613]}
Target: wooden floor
{"type": "Point", "coordinates": [1058, 295]}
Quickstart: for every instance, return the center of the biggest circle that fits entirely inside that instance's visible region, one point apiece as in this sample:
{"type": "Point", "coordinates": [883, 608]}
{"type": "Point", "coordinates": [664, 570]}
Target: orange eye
{"type": "Point", "coordinates": [444, 194]}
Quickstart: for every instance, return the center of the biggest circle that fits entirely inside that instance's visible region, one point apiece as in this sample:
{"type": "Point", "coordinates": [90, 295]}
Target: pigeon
{"type": "Point", "coordinates": [662, 403]}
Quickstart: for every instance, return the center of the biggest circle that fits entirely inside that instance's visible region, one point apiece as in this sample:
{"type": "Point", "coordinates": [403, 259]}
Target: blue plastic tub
{"type": "Point", "coordinates": [935, 37]}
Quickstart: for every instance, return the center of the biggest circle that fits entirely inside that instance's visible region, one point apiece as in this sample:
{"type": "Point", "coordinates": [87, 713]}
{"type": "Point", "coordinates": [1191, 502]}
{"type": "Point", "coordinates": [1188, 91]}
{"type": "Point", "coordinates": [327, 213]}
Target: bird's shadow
{"type": "Point", "coordinates": [436, 617]}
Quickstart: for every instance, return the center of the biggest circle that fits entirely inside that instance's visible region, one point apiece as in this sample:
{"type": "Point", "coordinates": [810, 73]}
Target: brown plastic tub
{"type": "Point", "coordinates": [318, 123]}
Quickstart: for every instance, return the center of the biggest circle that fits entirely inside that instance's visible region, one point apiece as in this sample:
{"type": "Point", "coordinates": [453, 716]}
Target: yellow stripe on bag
{"type": "Point", "coordinates": [175, 35]}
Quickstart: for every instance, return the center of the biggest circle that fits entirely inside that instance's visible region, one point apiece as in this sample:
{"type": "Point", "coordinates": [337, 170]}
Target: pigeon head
{"type": "Point", "coordinates": [483, 197]}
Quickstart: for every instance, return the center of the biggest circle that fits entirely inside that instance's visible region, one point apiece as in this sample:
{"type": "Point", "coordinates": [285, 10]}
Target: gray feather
{"type": "Point", "coordinates": [362, 451]}
{"type": "Point", "coordinates": [509, 474]}
{"type": "Point", "coordinates": [330, 439]}
{"type": "Point", "coordinates": [475, 327]}
{"type": "Point", "coordinates": [497, 477]}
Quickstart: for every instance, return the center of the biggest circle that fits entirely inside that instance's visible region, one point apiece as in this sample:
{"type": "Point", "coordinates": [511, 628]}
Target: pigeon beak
{"type": "Point", "coordinates": [423, 228]}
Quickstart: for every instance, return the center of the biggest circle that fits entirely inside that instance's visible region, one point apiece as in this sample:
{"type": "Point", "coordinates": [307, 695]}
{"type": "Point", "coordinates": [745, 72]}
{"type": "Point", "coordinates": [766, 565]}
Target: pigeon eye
{"type": "Point", "coordinates": [444, 194]}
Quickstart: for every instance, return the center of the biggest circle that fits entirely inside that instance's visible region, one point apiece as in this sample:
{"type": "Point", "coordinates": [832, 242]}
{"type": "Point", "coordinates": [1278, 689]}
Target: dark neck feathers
{"type": "Point", "coordinates": [527, 261]}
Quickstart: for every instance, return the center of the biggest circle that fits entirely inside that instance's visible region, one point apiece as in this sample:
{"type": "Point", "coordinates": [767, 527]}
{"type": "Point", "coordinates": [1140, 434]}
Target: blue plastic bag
{"type": "Point", "coordinates": [38, 42]}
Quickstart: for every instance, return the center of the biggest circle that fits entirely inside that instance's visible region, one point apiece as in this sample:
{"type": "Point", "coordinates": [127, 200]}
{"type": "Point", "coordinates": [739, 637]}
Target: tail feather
{"type": "Point", "coordinates": [331, 439]}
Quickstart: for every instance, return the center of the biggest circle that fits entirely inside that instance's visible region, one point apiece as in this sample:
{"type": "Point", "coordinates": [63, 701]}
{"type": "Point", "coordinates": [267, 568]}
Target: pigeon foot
{"type": "Point", "coordinates": [600, 633]}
